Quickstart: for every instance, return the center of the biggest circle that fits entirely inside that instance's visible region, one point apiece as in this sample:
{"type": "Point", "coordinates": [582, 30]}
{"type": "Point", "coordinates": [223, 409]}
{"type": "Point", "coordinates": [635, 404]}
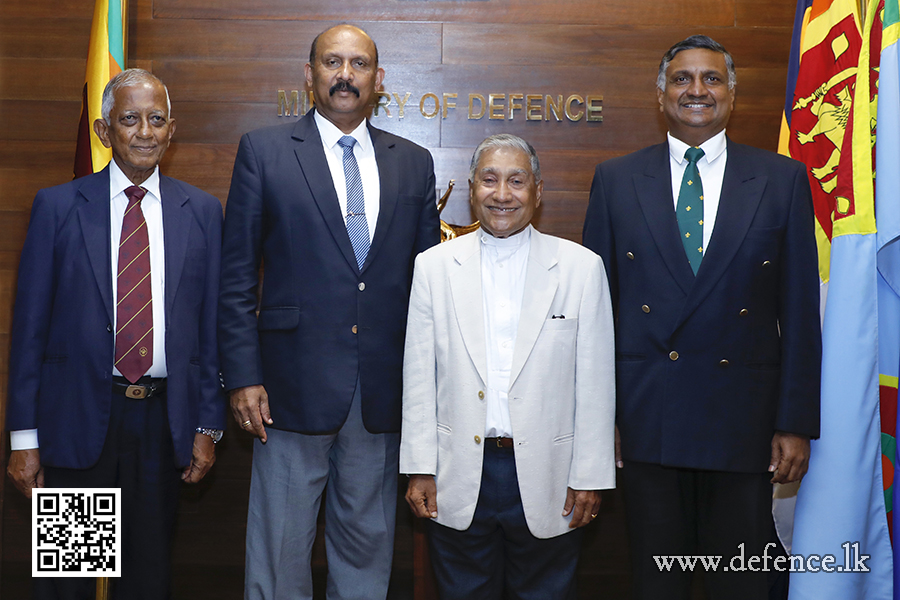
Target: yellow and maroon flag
{"type": "Point", "coordinates": [821, 75]}
{"type": "Point", "coordinates": [106, 57]}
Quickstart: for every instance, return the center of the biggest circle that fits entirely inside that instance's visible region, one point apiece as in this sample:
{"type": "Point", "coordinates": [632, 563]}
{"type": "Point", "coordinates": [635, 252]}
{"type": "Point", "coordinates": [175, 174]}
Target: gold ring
{"type": "Point", "coordinates": [594, 516]}
{"type": "Point", "coordinates": [246, 423]}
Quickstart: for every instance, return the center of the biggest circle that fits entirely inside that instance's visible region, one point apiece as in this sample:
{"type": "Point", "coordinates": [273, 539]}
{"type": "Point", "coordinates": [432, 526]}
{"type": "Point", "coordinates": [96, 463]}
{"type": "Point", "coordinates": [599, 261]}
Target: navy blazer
{"type": "Point", "coordinates": [323, 322]}
{"type": "Point", "coordinates": [708, 368]}
{"type": "Point", "coordinates": [61, 359]}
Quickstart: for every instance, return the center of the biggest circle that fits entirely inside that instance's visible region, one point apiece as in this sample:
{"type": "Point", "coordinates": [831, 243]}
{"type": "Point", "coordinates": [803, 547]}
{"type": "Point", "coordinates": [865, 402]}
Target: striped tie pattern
{"type": "Point", "coordinates": [357, 226]}
{"type": "Point", "coordinates": [134, 301]}
{"type": "Point", "coordinates": [689, 211]}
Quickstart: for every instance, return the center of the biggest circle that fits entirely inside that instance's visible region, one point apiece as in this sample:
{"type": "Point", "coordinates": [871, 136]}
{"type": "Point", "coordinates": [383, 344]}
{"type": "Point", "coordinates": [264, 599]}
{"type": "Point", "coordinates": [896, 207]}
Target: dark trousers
{"type": "Point", "coordinates": [497, 557]}
{"type": "Point", "coordinates": [687, 512]}
{"type": "Point", "coordinates": [137, 457]}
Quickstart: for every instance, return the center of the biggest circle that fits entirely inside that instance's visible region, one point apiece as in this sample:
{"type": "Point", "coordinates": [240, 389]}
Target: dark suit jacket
{"type": "Point", "coordinates": [61, 359]}
{"type": "Point", "coordinates": [322, 321]}
{"type": "Point", "coordinates": [745, 329]}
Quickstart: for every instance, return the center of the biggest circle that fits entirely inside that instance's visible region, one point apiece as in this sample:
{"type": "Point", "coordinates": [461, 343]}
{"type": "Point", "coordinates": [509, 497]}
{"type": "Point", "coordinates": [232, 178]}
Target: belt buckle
{"type": "Point", "coordinates": [137, 391]}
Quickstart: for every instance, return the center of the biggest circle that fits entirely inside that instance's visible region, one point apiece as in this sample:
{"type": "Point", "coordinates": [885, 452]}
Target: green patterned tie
{"type": "Point", "coordinates": [690, 209]}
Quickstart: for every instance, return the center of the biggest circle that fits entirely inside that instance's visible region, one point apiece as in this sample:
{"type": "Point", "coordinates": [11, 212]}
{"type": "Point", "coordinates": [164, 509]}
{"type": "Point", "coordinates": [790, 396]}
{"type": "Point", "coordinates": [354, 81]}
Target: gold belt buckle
{"type": "Point", "coordinates": [136, 391]}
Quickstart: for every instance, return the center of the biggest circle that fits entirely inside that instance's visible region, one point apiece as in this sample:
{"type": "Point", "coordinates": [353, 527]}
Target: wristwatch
{"type": "Point", "coordinates": [215, 434]}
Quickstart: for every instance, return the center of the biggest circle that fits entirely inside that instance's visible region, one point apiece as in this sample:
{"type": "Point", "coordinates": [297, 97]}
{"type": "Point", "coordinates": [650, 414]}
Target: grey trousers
{"type": "Point", "coordinates": [290, 472]}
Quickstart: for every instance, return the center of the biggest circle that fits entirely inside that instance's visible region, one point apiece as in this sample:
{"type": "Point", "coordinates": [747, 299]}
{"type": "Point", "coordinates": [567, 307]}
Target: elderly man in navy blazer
{"type": "Point", "coordinates": [113, 370]}
{"type": "Point", "coordinates": [336, 212]}
{"type": "Point", "coordinates": [711, 257]}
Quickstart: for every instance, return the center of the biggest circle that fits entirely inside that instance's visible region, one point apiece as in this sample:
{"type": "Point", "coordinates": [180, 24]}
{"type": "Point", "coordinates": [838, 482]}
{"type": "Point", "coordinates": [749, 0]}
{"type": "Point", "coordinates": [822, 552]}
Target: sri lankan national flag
{"type": "Point", "coordinates": [821, 74]}
{"type": "Point", "coordinates": [844, 499]}
{"type": "Point", "coordinates": [106, 57]}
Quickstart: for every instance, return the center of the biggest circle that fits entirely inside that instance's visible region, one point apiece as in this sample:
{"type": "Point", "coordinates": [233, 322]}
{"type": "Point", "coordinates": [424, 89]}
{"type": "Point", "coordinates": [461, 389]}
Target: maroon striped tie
{"type": "Point", "coordinates": [134, 302]}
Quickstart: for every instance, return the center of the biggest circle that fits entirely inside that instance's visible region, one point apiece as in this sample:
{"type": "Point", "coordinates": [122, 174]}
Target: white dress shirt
{"type": "Point", "coordinates": [503, 266]}
{"type": "Point", "coordinates": [712, 172]}
{"type": "Point", "coordinates": [151, 206]}
{"type": "Point", "coordinates": [364, 152]}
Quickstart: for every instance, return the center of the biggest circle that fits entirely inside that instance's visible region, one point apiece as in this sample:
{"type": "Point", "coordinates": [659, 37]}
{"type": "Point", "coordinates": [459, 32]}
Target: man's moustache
{"type": "Point", "coordinates": [343, 86]}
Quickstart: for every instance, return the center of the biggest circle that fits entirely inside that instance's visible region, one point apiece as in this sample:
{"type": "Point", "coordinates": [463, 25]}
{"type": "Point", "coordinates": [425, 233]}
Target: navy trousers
{"type": "Point", "coordinates": [138, 457]}
{"type": "Point", "coordinates": [497, 556]}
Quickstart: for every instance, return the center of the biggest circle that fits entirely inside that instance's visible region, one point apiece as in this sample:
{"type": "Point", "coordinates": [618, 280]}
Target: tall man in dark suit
{"type": "Point", "coordinates": [336, 211]}
{"type": "Point", "coordinates": [711, 257]}
{"type": "Point", "coordinates": [90, 319]}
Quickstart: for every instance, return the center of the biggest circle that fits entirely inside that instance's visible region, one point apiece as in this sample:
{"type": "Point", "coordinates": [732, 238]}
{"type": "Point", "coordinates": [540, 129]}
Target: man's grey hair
{"type": "Point", "coordinates": [128, 78]}
{"type": "Point", "coordinates": [506, 140]}
{"type": "Point", "coordinates": [692, 43]}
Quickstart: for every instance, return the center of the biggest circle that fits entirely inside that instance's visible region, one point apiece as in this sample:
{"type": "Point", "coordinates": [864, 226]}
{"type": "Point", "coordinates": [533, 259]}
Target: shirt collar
{"type": "Point", "coordinates": [118, 182]}
{"type": "Point", "coordinates": [712, 148]}
{"type": "Point", "coordinates": [512, 242]}
{"type": "Point", "coordinates": [330, 134]}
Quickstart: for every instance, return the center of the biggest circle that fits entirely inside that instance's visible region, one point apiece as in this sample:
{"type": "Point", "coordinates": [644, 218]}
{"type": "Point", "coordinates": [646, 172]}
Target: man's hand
{"type": "Point", "coordinates": [583, 506]}
{"type": "Point", "coordinates": [250, 406]}
{"type": "Point", "coordinates": [790, 457]}
{"type": "Point", "coordinates": [25, 470]}
{"type": "Point", "coordinates": [421, 496]}
{"type": "Point", "coordinates": [202, 459]}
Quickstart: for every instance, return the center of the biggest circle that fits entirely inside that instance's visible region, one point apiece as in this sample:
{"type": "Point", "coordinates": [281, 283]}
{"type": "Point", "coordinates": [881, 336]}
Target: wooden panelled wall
{"type": "Point", "coordinates": [224, 61]}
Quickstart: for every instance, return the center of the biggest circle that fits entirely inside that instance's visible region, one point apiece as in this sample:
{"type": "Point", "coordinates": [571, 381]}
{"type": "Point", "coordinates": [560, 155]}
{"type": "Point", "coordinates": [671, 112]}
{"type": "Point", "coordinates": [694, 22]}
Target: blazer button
{"type": "Point", "coordinates": [353, 329]}
{"type": "Point", "coordinates": [673, 355]}
{"type": "Point", "coordinates": [645, 308]}
{"type": "Point", "coordinates": [767, 263]}
{"type": "Point", "coordinates": [477, 439]}
{"type": "Point", "coordinates": [630, 255]}
{"type": "Point", "coordinates": [481, 395]}
{"type": "Point", "coordinates": [361, 286]}
{"type": "Point", "coordinates": [723, 363]}
{"type": "Point", "coordinates": [744, 312]}
{"type": "Point", "coordinates": [109, 327]}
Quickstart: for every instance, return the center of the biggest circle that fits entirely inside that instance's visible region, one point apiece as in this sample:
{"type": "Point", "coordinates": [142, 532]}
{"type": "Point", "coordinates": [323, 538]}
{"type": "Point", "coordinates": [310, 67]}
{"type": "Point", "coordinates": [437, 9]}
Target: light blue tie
{"type": "Point", "coordinates": [357, 226]}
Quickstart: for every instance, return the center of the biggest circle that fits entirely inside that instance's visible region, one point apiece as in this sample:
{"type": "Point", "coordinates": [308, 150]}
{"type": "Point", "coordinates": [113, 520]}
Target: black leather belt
{"type": "Point", "coordinates": [500, 442]}
{"type": "Point", "coordinates": [145, 387]}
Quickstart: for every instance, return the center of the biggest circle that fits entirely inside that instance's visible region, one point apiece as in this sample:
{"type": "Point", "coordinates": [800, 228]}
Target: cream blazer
{"type": "Point", "coordinates": [562, 383]}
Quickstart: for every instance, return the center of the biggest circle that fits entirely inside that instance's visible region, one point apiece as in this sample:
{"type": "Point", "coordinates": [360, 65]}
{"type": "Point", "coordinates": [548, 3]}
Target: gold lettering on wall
{"type": "Point", "coordinates": [401, 104]}
{"type": "Point", "coordinates": [481, 106]}
{"type": "Point", "coordinates": [437, 106]}
{"type": "Point", "coordinates": [497, 106]}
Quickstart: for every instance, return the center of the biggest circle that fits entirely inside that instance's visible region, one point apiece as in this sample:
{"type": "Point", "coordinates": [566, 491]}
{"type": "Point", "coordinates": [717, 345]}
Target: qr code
{"type": "Point", "coordinates": [76, 532]}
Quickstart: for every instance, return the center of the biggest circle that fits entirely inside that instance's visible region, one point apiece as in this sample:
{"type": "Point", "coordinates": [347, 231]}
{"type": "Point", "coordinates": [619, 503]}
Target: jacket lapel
{"type": "Point", "coordinates": [176, 216]}
{"type": "Point", "coordinates": [314, 166]}
{"type": "Point", "coordinates": [742, 190]}
{"type": "Point", "coordinates": [465, 288]}
{"type": "Point", "coordinates": [388, 170]}
{"type": "Point", "coordinates": [654, 191]}
{"type": "Point", "coordinates": [94, 218]}
{"type": "Point", "coordinates": [541, 283]}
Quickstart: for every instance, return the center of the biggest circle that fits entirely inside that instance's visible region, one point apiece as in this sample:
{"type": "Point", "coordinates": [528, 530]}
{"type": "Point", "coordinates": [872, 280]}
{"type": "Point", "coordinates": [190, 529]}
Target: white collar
{"type": "Point", "coordinates": [712, 148]}
{"type": "Point", "coordinates": [330, 134]}
{"type": "Point", "coordinates": [118, 181]}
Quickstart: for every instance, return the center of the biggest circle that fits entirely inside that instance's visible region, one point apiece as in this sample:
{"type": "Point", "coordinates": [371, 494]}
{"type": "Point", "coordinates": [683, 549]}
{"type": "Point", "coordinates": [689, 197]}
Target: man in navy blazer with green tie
{"type": "Point", "coordinates": [711, 255]}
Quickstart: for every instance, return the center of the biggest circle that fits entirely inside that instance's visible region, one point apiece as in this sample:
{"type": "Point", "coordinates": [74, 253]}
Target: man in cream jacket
{"type": "Point", "coordinates": [508, 391]}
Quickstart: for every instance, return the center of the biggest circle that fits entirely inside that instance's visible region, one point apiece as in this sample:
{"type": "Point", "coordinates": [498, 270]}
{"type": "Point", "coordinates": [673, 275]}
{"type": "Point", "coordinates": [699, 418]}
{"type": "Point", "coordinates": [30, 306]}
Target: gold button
{"type": "Point", "coordinates": [766, 263]}
{"type": "Point", "coordinates": [673, 355]}
{"type": "Point", "coordinates": [361, 286]}
{"type": "Point", "coordinates": [353, 329]}
{"type": "Point", "coordinates": [744, 312]}
{"type": "Point", "coordinates": [645, 308]}
{"type": "Point", "coordinates": [477, 439]}
{"type": "Point", "coordinates": [723, 363]}
{"type": "Point", "coordinates": [630, 255]}
{"type": "Point", "coordinates": [481, 395]}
